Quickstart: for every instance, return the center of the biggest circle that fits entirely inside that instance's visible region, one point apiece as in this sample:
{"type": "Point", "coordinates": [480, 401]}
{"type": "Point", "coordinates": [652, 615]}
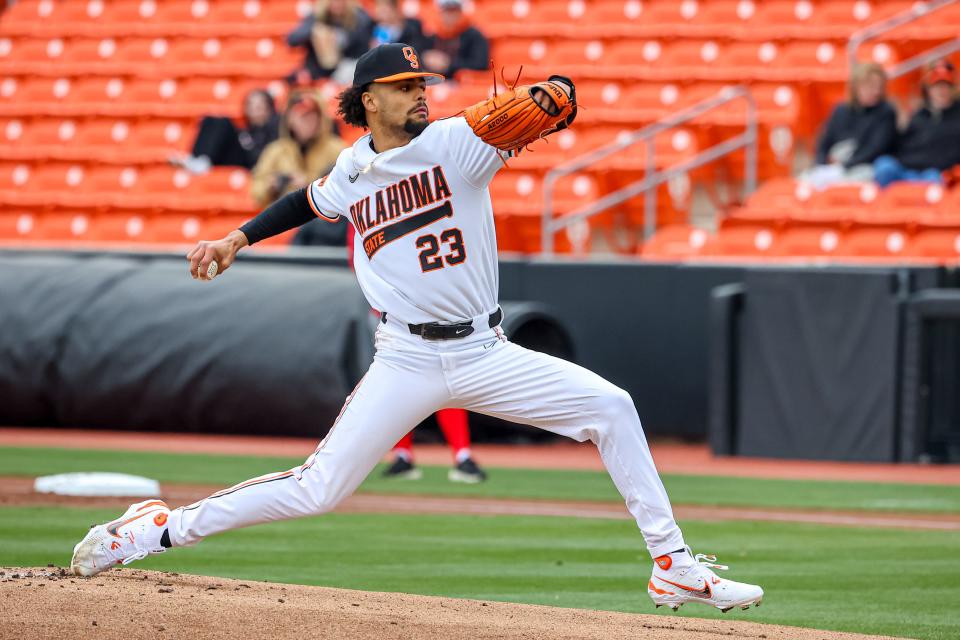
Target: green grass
{"type": "Point", "coordinates": [503, 483]}
{"type": "Point", "coordinates": [890, 582]}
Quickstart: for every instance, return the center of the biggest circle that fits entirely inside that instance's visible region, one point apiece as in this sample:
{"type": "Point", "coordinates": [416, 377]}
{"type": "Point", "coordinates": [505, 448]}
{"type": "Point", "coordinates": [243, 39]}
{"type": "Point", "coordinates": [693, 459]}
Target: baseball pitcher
{"type": "Point", "coordinates": [416, 193]}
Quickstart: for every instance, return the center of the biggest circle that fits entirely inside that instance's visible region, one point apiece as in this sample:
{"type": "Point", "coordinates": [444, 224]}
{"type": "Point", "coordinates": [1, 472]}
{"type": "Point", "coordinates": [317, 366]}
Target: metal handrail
{"type": "Point", "coordinates": [653, 177]}
{"type": "Point", "coordinates": [915, 12]}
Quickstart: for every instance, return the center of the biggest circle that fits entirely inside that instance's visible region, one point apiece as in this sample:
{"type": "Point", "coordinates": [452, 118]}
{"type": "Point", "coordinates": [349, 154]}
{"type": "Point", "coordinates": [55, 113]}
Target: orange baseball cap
{"type": "Point", "coordinates": [941, 71]}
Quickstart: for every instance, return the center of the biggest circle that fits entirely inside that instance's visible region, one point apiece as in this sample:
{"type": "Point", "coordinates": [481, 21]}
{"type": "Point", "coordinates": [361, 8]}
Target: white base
{"type": "Point", "coordinates": [97, 484]}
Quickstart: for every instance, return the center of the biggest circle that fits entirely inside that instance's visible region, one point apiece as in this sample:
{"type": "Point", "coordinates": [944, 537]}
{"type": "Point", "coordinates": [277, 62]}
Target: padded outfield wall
{"type": "Point", "coordinates": [129, 341]}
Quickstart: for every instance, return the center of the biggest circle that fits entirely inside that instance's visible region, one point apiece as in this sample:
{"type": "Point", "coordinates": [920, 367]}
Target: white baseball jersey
{"type": "Point", "coordinates": [425, 252]}
{"type": "Point", "coordinates": [426, 248]}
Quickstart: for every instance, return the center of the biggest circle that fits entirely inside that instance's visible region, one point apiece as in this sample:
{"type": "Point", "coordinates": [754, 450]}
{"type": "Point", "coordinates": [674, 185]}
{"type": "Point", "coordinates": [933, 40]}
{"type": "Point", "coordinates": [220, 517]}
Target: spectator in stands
{"type": "Point", "coordinates": [392, 26]}
{"type": "Point", "coordinates": [219, 143]}
{"type": "Point", "coordinates": [457, 44]}
{"type": "Point", "coordinates": [306, 149]}
{"type": "Point", "coordinates": [334, 35]}
{"type": "Point", "coordinates": [858, 131]}
{"type": "Point", "coordinates": [930, 144]}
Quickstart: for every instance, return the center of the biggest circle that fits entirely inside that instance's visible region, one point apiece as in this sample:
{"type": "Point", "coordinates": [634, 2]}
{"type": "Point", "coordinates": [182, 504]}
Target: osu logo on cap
{"type": "Point", "coordinates": [411, 55]}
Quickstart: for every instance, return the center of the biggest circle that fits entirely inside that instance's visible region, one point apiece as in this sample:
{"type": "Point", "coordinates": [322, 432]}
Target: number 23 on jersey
{"type": "Point", "coordinates": [450, 242]}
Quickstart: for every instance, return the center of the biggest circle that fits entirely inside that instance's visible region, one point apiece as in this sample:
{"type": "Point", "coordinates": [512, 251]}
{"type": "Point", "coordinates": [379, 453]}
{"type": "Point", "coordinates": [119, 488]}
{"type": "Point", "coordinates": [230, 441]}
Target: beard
{"type": "Point", "coordinates": [415, 127]}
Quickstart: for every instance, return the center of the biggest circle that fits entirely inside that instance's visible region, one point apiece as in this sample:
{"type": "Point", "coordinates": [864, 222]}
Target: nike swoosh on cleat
{"type": "Point", "coordinates": [116, 524]}
{"type": "Point", "coordinates": [706, 592]}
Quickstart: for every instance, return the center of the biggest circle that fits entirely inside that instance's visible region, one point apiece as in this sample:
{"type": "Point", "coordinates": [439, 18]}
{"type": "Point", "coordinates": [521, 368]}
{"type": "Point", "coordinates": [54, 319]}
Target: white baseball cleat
{"type": "Point", "coordinates": [133, 536]}
{"type": "Point", "coordinates": [681, 577]}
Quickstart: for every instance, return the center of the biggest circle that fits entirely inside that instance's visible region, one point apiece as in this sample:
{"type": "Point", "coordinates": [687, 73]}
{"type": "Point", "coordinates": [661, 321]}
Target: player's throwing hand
{"type": "Point", "coordinates": [212, 257]}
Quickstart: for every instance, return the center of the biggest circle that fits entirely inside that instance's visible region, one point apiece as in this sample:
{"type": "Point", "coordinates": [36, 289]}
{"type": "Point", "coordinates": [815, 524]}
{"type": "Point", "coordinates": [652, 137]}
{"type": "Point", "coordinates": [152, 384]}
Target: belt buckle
{"type": "Point", "coordinates": [423, 331]}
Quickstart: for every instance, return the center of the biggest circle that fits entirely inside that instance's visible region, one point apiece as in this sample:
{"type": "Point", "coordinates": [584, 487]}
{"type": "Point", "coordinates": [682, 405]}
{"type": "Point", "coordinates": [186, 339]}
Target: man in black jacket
{"type": "Point", "coordinates": [931, 142]}
{"type": "Point", "coordinates": [457, 44]}
{"type": "Point", "coordinates": [392, 26]}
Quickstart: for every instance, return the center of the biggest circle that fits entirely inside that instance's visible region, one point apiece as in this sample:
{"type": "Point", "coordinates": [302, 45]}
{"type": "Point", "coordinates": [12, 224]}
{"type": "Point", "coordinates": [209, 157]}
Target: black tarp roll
{"type": "Point", "coordinates": [139, 345]}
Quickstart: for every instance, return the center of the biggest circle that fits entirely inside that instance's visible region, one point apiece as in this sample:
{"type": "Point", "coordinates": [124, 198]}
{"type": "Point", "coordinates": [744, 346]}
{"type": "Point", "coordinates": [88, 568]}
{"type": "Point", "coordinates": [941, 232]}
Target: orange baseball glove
{"type": "Point", "coordinates": [524, 114]}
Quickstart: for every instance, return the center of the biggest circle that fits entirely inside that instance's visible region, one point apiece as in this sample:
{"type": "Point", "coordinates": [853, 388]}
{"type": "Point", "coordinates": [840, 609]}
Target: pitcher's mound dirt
{"type": "Point", "coordinates": [131, 604]}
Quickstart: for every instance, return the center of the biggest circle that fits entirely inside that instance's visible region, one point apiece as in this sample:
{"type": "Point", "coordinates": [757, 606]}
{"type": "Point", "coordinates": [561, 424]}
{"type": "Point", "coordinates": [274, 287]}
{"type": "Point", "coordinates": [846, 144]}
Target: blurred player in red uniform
{"type": "Point", "coordinates": [453, 423]}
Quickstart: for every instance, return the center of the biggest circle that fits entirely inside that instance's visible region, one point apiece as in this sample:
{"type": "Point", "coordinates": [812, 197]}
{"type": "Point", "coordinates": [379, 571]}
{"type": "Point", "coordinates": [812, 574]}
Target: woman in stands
{"type": "Point", "coordinates": [930, 145]}
{"type": "Point", "coordinates": [858, 132]}
{"type": "Point", "coordinates": [220, 143]}
{"type": "Point", "coordinates": [306, 149]}
{"type": "Point", "coordinates": [334, 36]}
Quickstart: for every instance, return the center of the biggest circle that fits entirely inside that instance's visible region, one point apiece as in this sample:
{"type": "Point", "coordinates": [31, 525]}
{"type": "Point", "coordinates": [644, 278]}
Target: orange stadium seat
{"type": "Point", "coordinates": [720, 16]}
{"type": "Point", "coordinates": [903, 204]}
{"type": "Point", "coordinates": [746, 60]}
{"type": "Point", "coordinates": [245, 11]}
{"type": "Point", "coordinates": [809, 241]}
{"type": "Point", "coordinates": [91, 51]}
{"type": "Point", "coordinates": [874, 243]}
{"type": "Point", "coordinates": [521, 51]}
{"type": "Point", "coordinates": [747, 240]}
{"type": "Point", "coordinates": [574, 53]}
{"type": "Point", "coordinates": [212, 91]}
{"type": "Point", "coordinates": [149, 92]}
{"type": "Point", "coordinates": [42, 186]}
{"type": "Point", "coordinates": [193, 51]}
{"type": "Point", "coordinates": [502, 16]}
{"type": "Point", "coordinates": [99, 133]}
{"type": "Point", "coordinates": [111, 179]}
{"type": "Point", "coordinates": [117, 227]}
{"type": "Point", "coordinates": [594, 94]}
{"type": "Point", "coordinates": [268, 51]}
{"type": "Point", "coordinates": [14, 175]}
{"type": "Point", "coordinates": [100, 94]}
{"type": "Point", "coordinates": [814, 60]}
{"type": "Point", "coordinates": [143, 50]}
{"type": "Point", "coordinates": [840, 18]}
{"type": "Point", "coordinates": [688, 58]}
{"type": "Point", "coordinates": [664, 13]}
{"type": "Point", "coordinates": [160, 135]}
{"type": "Point", "coordinates": [836, 205]}
{"type": "Point", "coordinates": [61, 226]}
{"type": "Point", "coordinates": [26, 50]}
{"type": "Point", "coordinates": [678, 241]}
{"type": "Point", "coordinates": [883, 53]}
{"type": "Point", "coordinates": [16, 226]}
{"type": "Point", "coordinates": [783, 16]}
{"type": "Point", "coordinates": [618, 13]}
{"type": "Point", "coordinates": [173, 228]}
{"type": "Point", "coordinates": [912, 195]}
{"type": "Point", "coordinates": [939, 244]}
{"type": "Point", "coordinates": [187, 11]}
{"type": "Point", "coordinates": [563, 12]}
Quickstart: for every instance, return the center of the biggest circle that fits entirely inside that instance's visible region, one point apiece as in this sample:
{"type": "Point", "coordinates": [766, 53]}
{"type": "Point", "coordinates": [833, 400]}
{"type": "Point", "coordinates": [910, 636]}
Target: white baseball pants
{"type": "Point", "coordinates": [410, 379]}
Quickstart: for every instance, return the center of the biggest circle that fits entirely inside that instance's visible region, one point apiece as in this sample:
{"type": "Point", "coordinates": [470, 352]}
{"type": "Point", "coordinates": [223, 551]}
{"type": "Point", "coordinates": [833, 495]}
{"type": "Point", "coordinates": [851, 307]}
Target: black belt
{"type": "Point", "coordinates": [437, 331]}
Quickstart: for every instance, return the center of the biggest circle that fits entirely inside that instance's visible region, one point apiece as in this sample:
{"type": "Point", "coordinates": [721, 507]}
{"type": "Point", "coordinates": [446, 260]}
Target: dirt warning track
{"type": "Point", "coordinates": [48, 604]}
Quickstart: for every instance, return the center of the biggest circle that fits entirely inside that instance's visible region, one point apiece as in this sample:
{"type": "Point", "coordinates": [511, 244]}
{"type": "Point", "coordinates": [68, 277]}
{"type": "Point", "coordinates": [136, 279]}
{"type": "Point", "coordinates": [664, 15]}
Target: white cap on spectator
{"type": "Point", "coordinates": [450, 4]}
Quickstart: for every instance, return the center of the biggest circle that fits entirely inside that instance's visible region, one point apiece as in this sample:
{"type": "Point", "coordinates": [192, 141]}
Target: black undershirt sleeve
{"type": "Point", "coordinates": [288, 212]}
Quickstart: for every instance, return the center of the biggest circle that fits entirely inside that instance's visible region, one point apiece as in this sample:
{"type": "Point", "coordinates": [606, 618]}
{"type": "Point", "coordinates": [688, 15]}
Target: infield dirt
{"type": "Point", "coordinates": [132, 604]}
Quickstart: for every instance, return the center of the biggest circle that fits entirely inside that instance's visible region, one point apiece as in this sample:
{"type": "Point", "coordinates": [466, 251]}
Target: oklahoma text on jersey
{"type": "Point", "coordinates": [400, 199]}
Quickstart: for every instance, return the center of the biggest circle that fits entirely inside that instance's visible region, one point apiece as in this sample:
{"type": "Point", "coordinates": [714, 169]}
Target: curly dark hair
{"type": "Point", "coordinates": [351, 106]}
